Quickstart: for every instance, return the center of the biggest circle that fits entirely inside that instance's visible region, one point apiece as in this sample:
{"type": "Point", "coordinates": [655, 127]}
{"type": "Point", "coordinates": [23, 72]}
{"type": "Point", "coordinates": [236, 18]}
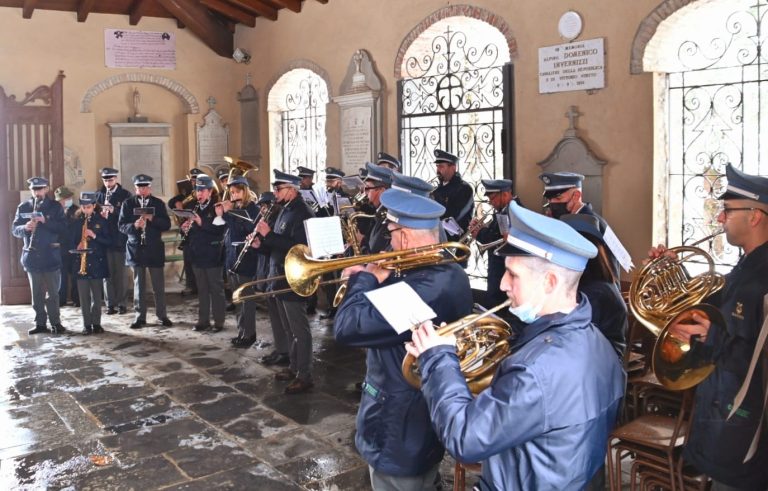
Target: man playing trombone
{"type": "Point", "coordinates": [727, 439]}
{"type": "Point", "coordinates": [545, 418]}
{"type": "Point", "coordinates": [394, 434]}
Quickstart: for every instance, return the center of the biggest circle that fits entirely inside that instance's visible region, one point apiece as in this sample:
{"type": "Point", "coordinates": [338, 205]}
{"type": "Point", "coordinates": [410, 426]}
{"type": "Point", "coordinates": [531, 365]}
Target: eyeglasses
{"type": "Point", "coordinates": [279, 188]}
{"type": "Point", "coordinates": [725, 210]}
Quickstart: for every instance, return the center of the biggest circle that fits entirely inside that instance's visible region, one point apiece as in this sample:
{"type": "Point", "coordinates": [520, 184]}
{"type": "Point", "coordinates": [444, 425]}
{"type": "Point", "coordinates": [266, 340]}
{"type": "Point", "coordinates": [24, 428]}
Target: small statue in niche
{"type": "Point", "coordinates": [136, 102]}
{"type": "Point", "coordinates": [357, 58]}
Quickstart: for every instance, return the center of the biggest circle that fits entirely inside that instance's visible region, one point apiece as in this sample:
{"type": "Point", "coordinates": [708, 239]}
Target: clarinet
{"type": "Point", "coordinates": [185, 234]}
{"type": "Point", "coordinates": [144, 204]}
{"type": "Point", "coordinates": [35, 205]}
{"type": "Point", "coordinates": [249, 238]}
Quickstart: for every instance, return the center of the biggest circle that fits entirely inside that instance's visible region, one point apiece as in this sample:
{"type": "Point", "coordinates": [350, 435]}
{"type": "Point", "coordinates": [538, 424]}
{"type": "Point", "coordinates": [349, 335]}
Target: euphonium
{"type": "Point", "coordinates": [664, 293]}
{"type": "Point", "coordinates": [84, 245]}
{"type": "Point", "coordinates": [482, 342]}
{"type": "Point", "coordinates": [303, 273]}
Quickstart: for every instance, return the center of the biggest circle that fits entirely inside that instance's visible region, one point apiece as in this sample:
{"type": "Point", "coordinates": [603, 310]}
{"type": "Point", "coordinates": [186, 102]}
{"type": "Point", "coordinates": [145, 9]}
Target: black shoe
{"type": "Point", "coordinates": [201, 327]}
{"type": "Point", "coordinates": [166, 322]}
{"type": "Point", "coordinates": [121, 309]}
{"type": "Point", "coordinates": [244, 342]}
{"type": "Point", "coordinates": [97, 329]}
{"type": "Point", "coordinates": [275, 358]}
{"type": "Point", "coordinates": [38, 330]}
{"type": "Point", "coordinates": [58, 329]}
{"type": "Point", "coordinates": [138, 324]}
{"type": "Point", "coordinates": [111, 311]}
{"type": "Point", "coordinates": [231, 307]}
{"type": "Point", "coordinates": [299, 386]}
{"type": "Point", "coordinates": [87, 330]}
{"type": "Point", "coordinates": [235, 340]}
{"type": "Point", "coordinates": [285, 375]}
{"type": "Point", "coordinates": [217, 328]}
{"type": "Point", "coordinates": [329, 315]}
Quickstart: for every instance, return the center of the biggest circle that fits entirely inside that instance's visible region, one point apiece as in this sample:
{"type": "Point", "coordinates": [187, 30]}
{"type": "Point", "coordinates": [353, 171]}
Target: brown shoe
{"type": "Point", "coordinates": [285, 375]}
{"type": "Point", "coordinates": [299, 386]}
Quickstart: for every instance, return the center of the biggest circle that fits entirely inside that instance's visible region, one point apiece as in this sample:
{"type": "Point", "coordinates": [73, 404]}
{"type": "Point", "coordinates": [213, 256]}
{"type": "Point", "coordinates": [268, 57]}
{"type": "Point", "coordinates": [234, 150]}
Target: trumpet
{"type": "Point", "coordinates": [303, 273]}
{"type": "Point", "coordinates": [481, 223]}
{"type": "Point", "coordinates": [482, 342]}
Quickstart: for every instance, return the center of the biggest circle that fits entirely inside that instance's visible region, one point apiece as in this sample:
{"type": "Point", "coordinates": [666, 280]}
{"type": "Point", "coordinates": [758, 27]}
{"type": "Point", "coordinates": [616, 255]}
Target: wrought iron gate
{"type": "Point", "coordinates": [458, 98]}
{"type": "Point", "coordinates": [303, 126]}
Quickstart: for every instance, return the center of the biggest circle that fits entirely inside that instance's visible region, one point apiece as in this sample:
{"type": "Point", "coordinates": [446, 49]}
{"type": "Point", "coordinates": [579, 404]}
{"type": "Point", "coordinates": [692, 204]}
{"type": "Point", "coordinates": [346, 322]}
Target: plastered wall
{"type": "Point", "coordinates": [617, 121]}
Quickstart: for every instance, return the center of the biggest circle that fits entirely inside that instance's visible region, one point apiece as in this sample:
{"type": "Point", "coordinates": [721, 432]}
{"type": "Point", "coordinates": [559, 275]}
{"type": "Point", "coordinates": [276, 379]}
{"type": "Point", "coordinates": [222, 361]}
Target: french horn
{"type": "Point", "coordinates": [664, 293]}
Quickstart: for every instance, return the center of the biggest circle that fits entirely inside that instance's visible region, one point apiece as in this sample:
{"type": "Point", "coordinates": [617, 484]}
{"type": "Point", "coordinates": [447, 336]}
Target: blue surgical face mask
{"type": "Point", "coordinates": [68, 203]}
{"type": "Point", "coordinates": [527, 312]}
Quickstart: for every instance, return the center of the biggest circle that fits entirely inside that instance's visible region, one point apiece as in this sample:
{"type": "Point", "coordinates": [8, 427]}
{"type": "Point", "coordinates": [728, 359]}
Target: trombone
{"type": "Point", "coordinates": [303, 273]}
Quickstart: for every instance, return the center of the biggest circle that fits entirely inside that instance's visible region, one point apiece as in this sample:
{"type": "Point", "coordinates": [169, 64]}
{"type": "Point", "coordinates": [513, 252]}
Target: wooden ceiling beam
{"type": "Point", "coordinates": [201, 22]}
{"type": "Point", "coordinates": [322, 1]}
{"type": "Point", "coordinates": [257, 7]}
{"type": "Point", "coordinates": [136, 11]}
{"type": "Point", "coordinates": [294, 5]}
{"type": "Point", "coordinates": [230, 11]}
{"type": "Point", "coordinates": [85, 8]}
{"type": "Point", "coordinates": [27, 8]}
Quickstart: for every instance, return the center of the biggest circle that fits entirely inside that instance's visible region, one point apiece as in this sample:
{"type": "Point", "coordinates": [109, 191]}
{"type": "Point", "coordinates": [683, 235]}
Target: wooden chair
{"type": "Point", "coordinates": [654, 438]}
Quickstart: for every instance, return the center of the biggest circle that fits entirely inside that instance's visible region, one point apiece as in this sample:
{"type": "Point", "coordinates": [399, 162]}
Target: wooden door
{"type": "Point", "coordinates": [31, 144]}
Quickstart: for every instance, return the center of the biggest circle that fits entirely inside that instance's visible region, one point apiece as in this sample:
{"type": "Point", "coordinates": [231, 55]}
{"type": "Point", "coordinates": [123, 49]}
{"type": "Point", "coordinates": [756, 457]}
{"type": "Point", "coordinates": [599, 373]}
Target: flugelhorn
{"type": "Point", "coordinates": [664, 293]}
{"type": "Point", "coordinates": [303, 273]}
{"type": "Point", "coordinates": [482, 342]}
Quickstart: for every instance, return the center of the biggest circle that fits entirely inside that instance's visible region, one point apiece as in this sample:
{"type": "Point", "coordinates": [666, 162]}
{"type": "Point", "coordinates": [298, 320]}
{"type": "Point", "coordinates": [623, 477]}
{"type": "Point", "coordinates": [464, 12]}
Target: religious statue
{"type": "Point", "coordinates": [357, 58]}
{"type": "Point", "coordinates": [136, 102]}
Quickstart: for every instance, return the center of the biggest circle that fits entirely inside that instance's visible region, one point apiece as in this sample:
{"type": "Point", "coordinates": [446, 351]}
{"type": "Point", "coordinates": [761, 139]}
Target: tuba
{"type": "Point", "coordinates": [303, 273]}
{"type": "Point", "coordinates": [482, 342]}
{"type": "Point", "coordinates": [664, 293]}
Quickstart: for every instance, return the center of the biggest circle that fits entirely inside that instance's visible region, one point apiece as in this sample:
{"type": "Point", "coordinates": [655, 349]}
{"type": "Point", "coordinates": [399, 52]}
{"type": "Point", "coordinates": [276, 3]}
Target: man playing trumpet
{"type": "Point", "coordinates": [394, 434]}
{"type": "Point", "coordinates": [545, 418]}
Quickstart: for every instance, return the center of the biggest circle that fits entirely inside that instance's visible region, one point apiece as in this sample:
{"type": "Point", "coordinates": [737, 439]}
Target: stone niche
{"type": "Point", "coordinates": [144, 148]}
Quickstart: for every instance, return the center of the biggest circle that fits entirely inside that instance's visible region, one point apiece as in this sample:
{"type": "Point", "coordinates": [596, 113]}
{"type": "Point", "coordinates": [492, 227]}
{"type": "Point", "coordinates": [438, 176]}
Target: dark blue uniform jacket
{"type": "Point", "coordinates": [716, 446]}
{"type": "Point", "coordinates": [152, 253]}
{"type": "Point", "coordinates": [287, 231]}
{"type": "Point", "coordinates": [394, 434]}
{"type": "Point", "coordinates": [238, 229]}
{"type": "Point", "coordinates": [116, 199]}
{"type": "Point", "coordinates": [458, 199]}
{"type": "Point", "coordinates": [44, 256]}
{"type": "Point", "coordinates": [96, 260]}
{"type": "Point", "coordinates": [205, 240]}
{"type": "Point", "coordinates": [544, 421]}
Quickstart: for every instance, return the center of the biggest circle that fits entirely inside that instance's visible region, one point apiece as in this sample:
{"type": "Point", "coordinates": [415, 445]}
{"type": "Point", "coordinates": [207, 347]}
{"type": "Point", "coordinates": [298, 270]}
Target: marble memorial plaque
{"type": "Point", "coordinates": [212, 140]}
{"type": "Point", "coordinates": [143, 159]}
{"type": "Point", "coordinates": [356, 136]}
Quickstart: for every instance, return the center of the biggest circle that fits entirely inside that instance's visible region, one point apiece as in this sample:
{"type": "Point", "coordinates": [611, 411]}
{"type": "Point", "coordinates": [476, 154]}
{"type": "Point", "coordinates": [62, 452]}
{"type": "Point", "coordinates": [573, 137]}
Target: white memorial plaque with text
{"type": "Point", "coordinates": [572, 66]}
{"type": "Point", "coordinates": [356, 136]}
{"type": "Point", "coordinates": [139, 49]}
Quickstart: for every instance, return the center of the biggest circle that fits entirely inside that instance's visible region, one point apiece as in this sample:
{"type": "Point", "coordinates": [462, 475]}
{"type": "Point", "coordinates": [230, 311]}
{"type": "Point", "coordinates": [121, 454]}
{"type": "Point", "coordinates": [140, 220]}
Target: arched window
{"type": "Point", "coordinates": [296, 105]}
{"type": "Point", "coordinates": [455, 86]}
{"type": "Point", "coordinates": [710, 86]}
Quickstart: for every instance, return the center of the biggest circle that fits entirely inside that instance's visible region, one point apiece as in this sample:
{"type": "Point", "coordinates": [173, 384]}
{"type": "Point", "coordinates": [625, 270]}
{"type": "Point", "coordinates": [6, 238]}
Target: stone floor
{"type": "Point", "coordinates": [170, 408]}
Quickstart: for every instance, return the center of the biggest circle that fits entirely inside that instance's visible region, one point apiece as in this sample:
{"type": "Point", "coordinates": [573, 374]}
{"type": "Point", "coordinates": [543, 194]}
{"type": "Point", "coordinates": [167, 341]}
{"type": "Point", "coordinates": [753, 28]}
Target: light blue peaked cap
{"type": "Point", "coordinates": [411, 210]}
{"type": "Point", "coordinates": [533, 234]}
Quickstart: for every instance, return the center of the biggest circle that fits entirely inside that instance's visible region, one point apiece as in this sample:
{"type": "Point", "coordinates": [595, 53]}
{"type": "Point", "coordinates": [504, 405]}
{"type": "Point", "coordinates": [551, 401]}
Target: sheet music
{"type": "Point", "coordinates": [452, 227]}
{"type": "Point", "coordinates": [184, 214]}
{"type": "Point", "coordinates": [617, 249]}
{"type": "Point", "coordinates": [324, 236]}
{"type": "Point", "coordinates": [308, 196]}
{"type": "Point", "coordinates": [401, 306]}
{"type": "Point", "coordinates": [503, 220]}
{"type": "Point", "coordinates": [321, 194]}
{"type": "Point", "coordinates": [341, 205]}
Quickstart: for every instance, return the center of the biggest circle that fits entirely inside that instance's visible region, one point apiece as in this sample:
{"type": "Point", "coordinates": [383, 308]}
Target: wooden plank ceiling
{"type": "Point", "coordinates": [213, 21]}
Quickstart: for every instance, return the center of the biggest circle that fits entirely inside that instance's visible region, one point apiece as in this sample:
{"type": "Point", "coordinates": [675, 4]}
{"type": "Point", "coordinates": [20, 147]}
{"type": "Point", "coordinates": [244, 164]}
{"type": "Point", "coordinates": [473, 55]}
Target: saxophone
{"type": "Point", "coordinates": [83, 246]}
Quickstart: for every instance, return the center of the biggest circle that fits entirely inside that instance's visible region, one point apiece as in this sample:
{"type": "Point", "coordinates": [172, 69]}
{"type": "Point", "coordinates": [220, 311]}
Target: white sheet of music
{"type": "Point", "coordinates": [617, 248]}
{"type": "Point", "coordinates": [324, 236]}
{"type": "Point", "coordinates": [308, 196]}
{"type": "Point", "coordinates": [452, 227]}
{"type": "Point", "coordinates": [401, 306]}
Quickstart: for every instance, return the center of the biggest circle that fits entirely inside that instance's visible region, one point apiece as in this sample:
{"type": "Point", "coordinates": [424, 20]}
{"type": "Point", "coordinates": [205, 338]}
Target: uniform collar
{"type": "Point", "coordinates": [454, 180]}
{"type": "Point", "coordinates": [578, 318]}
